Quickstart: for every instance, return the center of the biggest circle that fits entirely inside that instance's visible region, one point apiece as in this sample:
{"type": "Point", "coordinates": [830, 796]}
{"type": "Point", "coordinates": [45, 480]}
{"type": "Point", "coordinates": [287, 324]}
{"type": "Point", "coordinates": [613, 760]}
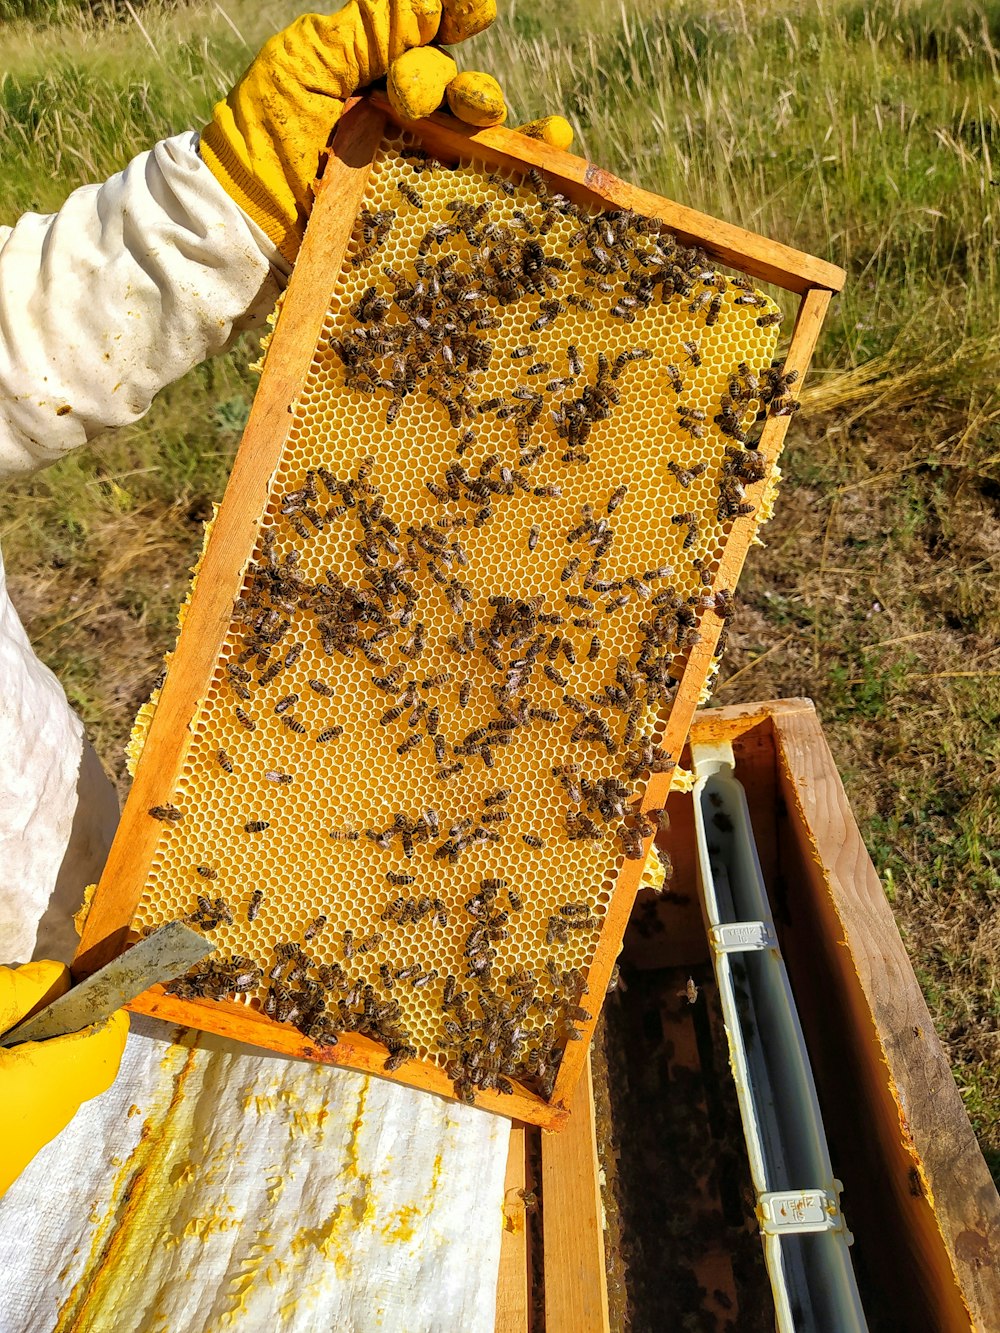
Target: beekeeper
{"type": "Point", "coordinates": [121, 292]}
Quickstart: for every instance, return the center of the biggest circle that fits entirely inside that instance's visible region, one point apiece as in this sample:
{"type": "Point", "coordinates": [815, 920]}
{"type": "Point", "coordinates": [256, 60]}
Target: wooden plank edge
{"type": "Point", "coordinates": [230, 546]}
{"type": "Point", "coordinates": [238, 1022]}
{"type": "Point", "coordinates": [734, 720]}
{"type": "Point", "coordinates": [785, 267]}
{"type": "Point", "coordinates": [513, 1314]}
{"type": "Point", "coordinates": [576, 1281]}
{"type": "Point", "coordinates": [932, 1124]}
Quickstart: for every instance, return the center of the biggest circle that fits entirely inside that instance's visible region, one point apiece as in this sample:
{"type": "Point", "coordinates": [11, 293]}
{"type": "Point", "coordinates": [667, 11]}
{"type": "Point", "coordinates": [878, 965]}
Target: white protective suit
{"type": "Point", "coordinates": [209, 1187]}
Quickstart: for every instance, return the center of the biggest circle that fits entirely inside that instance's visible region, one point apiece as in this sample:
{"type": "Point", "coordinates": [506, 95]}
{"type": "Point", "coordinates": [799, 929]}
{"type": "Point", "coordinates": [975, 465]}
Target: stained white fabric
{"type": "Point", "coordinates": [210, 1187]}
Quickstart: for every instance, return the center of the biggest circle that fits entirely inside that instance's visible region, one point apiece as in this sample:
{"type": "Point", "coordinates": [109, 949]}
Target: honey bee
{"type": "Point", "coordinates": [314, 927]}
{"type": "Point", "coordinates": [344, 835]}
{"type": "Point", "coordinates": [394, 877]}
{"type": "Point", "coordinates": [277, 777]}
{"type": "Point", "coordinates": [272, 672]}
{"type": "Point", "coordinates": [283, 705]}
{"type": "Point", "coordinates": [464, 693]}
{"type": "Point", "coordinates": [245, 720]}
{"type": "Point", "coordinates": [549, 311]}
{"type": "Point", "coordinates": [532, 840]}
{"type": "Point", "coordinates": [206, 872]}
{"type": "Point", "coordinates": [321, 687]}
{"type": "Point", "coordinates": [768, 321]}
{"type": "Point", "coordinates": [224, 761]}
{"type": "Point", "coordinates": [449, 771]}
{"type": "Point", "coordinates": [397, 1058]}
{"type": "Point", "coordinates": [370, 942]}
{"type": "Point", "coordinates": [169, 814]}
{"type": "Point", "coordinates": [692, 353]}
{"type": "Point", "coordinates": [692, 526]}
{"type": "Point", "coordinates": [254, 905]}
{"type": "Point", "coordinates": [411, 195]}
{"type": "Point", "coordinates": [293, 724]}
{"type": "Point", "coordinates": [347, 943]}
{"type": "Point", "coordinates": [329, 734]}
{"type": "Point", "coordinates": [257, 825]}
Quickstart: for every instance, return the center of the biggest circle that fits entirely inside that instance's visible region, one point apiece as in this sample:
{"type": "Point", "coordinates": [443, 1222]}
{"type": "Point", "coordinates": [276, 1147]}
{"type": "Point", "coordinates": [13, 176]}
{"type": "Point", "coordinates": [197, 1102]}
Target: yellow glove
{"type": "Point", "coordinates": [265, 140]}
{"type": "Point", "coordinates": [43, 1083]}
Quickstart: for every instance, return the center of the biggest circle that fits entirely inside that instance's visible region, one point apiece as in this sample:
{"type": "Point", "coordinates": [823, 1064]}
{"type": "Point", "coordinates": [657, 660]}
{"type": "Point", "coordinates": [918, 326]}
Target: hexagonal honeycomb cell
{"type": "Point", "coordinates": [520, 448]}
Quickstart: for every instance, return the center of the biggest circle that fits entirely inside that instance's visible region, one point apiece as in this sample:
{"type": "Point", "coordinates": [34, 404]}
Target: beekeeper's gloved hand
{"type": "Point", "coordinates": [43, 1083]}
{"type": "Point", "coordinates": [265, 140]}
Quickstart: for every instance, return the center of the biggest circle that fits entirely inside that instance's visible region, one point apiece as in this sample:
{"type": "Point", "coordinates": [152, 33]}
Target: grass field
{"type": "Point", "coordinates": [864, 133]}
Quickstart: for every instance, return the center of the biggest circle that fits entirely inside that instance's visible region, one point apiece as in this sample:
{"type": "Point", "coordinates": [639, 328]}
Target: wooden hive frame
{"type": "Point", "coordinates": [233, 537]}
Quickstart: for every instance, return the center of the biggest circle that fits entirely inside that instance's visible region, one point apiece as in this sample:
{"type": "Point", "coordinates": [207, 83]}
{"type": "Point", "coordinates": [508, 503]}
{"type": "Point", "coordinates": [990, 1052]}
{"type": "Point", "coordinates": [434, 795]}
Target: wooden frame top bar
{"type": "Point", "coordinates": [767, 260]}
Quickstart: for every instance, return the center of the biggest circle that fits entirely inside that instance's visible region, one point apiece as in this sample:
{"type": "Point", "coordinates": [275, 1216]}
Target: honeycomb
{"type": "Point", "coordinates": [511, 472]}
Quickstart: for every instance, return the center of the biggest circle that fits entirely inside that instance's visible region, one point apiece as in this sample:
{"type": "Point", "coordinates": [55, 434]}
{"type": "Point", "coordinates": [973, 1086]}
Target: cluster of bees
{"type": "Point", "coordinates": [521, 1033]}
{"type": "Point", "coordinates": [429, 333]}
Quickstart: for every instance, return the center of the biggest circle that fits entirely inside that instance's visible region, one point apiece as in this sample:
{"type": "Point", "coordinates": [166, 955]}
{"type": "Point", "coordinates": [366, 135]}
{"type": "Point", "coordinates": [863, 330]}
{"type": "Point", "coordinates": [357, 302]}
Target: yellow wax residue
{"type": "Point", "coordinates": [258, 1104]}
{"type": "Point", "coordinates": [265, 342]}
{"type": "Point", "coordinates": [82, 912]}
{"type": "Point", "coordinates": [307, 1122]}
{"type": "Point", "coordinates": [401, 1223]}
{"type": "Point", "coordinates": [653, 873]}
{"type": "Point", "coordinates": [132, 1110]}
{"type": "Point", "coordinates": [144, 718]}
{"type": "Point", "coordinates": [275, 1185]}
{"type": "Point", "coordinates": [765, 508]}
{"type": "Point", "coordinates": [344, 1220]}
{"type": "Point", "coordinates": [201, 1227]}
{"type": "Point", "coordinates": [347, 1216]}
{"type": "Point", "coordinates": [513, 1212]}
{"type": "Point", "coordinates": [64, 1273]}
{"type": "Point", "coordinates": [121, 1239]}
{"type": "Point", "coordinates": [683, 780]}
{"type": "Point", "coordinates": [256, 1263]}
{"type": "Point", "coordinates": [182, 1174]}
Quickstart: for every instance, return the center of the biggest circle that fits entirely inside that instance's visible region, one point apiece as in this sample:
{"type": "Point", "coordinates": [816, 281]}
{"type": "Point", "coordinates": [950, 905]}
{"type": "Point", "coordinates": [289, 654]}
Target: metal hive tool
{"type": "Point", "coordinates": [472, 601]}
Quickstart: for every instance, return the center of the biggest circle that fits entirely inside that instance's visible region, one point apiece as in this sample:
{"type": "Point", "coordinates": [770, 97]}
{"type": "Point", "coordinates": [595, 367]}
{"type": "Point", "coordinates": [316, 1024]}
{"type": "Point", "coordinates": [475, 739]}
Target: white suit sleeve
{"type": "Point", "coordinates": [121, 292]}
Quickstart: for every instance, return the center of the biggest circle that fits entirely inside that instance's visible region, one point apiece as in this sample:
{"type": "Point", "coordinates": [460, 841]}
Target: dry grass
{"type": "Point", "coordinates": [862, 132]}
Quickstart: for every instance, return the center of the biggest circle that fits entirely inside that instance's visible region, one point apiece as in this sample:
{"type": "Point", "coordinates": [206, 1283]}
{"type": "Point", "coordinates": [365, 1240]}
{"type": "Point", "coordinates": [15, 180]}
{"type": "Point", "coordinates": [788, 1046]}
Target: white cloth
{"type": "Point", "coordinates": [209, 1187]}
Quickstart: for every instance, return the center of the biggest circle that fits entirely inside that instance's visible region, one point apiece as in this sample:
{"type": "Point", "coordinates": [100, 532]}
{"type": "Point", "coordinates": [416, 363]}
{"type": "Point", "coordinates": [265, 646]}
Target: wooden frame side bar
{"type": "Point", "coordinates": [229, 550]}
{"type": "Point", "coordinates": [576, 1280]}
{"type": "Point", "coordinates": [514, 1276]}
{"type": "Point", "coordinates": [697, 669]}
{"type": "Point", "coordinates": [767, 260]}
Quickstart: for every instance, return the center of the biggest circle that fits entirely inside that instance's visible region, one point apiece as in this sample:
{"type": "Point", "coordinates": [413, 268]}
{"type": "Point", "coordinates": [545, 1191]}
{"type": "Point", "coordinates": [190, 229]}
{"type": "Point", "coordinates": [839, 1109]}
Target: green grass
{"type": "Point", "coordinates": [864, 133]}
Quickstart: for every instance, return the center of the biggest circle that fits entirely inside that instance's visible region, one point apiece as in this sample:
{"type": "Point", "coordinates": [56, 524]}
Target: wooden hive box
{"type": "Point", "coordinates": [345, 757]}
{"type": "Point", "coordinates": [917, 1197]}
